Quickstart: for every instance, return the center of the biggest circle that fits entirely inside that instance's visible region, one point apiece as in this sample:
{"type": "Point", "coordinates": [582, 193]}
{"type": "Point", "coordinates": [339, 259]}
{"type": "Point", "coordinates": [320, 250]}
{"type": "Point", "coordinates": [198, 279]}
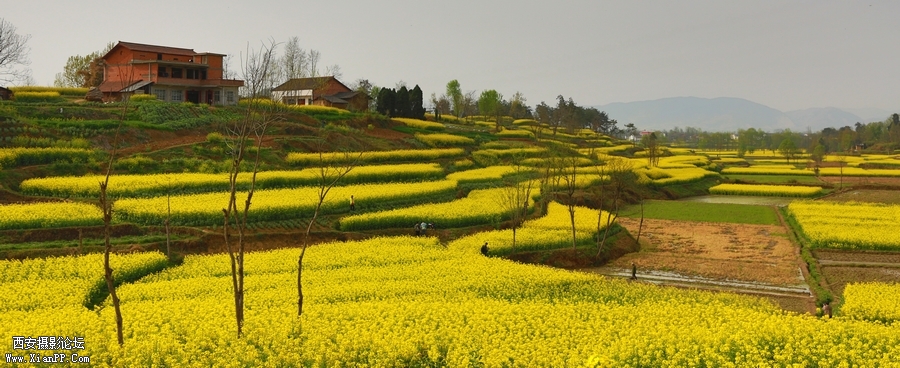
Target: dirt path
{"type": "Point", "coordinates": [827, 262]}
{"type": "Point", "coordinates": [761, 260]}
{"type": "Point", "coordinates": [755, 253]}
{"type": "Point", "coordinates": [795, 298]}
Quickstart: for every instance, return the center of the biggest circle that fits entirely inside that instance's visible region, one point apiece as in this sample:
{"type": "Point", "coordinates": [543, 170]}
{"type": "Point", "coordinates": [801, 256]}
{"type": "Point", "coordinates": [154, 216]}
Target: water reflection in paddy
{"type": "Point", "coordinates": [751, 200]}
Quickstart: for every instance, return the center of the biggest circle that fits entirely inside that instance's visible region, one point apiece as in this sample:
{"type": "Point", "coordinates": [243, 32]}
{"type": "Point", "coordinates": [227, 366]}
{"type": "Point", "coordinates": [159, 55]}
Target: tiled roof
{"type": "Point", "coordinates": [346, 95]}
{"type": "Point", "coordinates": [308, 83]}
{"type": "Point", "coordinates": [156, 49]}
{"type": "Point", "coordinates": [111, 86]}
{"type": "Point", "coordinates": [303, 83]}
{"type": "Point", "coordinates": [333, 99]}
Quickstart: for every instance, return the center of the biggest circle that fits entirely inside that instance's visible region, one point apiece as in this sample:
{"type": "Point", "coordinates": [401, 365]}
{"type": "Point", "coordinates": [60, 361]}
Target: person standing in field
{"type": "Point", "coordinates": [352, 203]}
{"type": "Point", "coordinates": [633, 271]}
{"type": "Point", "coordinates": [826, 309]}
{"type": "Point", "coordinates": [484, 249]}
{"type": "Point", "coordinates": [416, 227]}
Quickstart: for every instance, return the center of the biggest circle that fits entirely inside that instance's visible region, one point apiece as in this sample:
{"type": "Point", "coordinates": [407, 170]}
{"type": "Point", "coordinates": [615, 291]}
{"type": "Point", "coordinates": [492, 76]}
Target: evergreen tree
{"type": "Point", "coordinates": [401, 103]}
{"type": "Point", "coordinates": [417, 108]}
{"type": "Point", "coordinates": [385, 102]}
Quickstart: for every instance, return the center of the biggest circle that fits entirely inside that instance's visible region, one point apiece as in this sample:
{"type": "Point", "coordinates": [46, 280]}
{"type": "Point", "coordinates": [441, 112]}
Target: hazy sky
{"type": "Point", "coordinates": [785, 54]}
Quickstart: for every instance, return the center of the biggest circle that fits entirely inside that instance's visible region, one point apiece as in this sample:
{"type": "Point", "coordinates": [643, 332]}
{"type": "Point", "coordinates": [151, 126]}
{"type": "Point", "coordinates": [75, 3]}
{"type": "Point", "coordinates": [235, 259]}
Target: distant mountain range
{"type": "Point", "coordinates": [730, 114]}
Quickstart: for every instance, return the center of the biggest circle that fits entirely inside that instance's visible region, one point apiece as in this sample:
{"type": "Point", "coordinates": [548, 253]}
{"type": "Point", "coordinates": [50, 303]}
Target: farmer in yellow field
{"type": "Point", "coordinates": [826, 310]}
{"type": "Point", "coordinates": [352, 203]}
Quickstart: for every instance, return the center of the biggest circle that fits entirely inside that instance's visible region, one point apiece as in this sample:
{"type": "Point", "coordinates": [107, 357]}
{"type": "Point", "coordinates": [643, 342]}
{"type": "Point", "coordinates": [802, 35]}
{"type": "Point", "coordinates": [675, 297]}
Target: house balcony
{"type": "Point", "coordinates": [196, 83]}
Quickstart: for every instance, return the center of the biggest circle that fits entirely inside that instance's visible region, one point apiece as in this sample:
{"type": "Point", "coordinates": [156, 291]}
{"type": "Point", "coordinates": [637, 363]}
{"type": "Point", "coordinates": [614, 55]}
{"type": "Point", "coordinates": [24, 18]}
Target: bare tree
{"type": "Point", "coordinates": [334, 70]}
{"type": "Point", "coordinates": [106, 204]}
{"type": "Point", "coordinates": [294, 63]}
{"type": "Point", "coordinates": [469, 104]}
{"type": "Point", "coordinates": [651, 143]}
{"type": "Point", "coordinates": [841, 161]}
{"type": "Point", "coordinates": [227, 70]}
{"type": "Point", "coordinates": [563, 114]}
{"type": "Point", "coordinates": [13, 51]}
{"type": "Point", "coordinates": [621, 177]}
{"type": "Point", "coordinates": [516, 195]}
{"type": "Point", "coordinates": [328, 174]}
{"type": "Point", "coordinates": [570, 176]}
{"type": "Point", "coordinates": [241, 133]}
{"type": "Point", "coordinates": [313, 64]}
{"type": "Point", "coordinates": [169, 189]}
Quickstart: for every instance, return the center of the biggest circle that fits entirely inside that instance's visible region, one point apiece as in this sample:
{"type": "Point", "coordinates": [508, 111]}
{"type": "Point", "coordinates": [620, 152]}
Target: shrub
{"type": "Point", "coordinates": [65, 91]}
{"type": "Point", "coordinates": [486, 158]}
{"type": "Point", "coordinates": [515, 134]}
{"type": "Point", "coordinates": [143, 97]}
{"type": "Point", "coordinates": [420, 124]}
{"type": "Point", "coordinates": [444, 140]}
{"type": "Point", "coordinates": [36, 97]}
{"type": "Point", "coordinates": [215, 137]}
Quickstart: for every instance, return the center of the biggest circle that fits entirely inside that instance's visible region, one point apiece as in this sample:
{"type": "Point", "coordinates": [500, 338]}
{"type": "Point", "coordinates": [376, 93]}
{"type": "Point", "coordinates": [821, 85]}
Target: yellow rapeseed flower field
{"type": "Point", "coordinates": [444, 140]}
{"type": "Point", "coordinates": [21, 156]}
{"type": "Point", "coordinates": [480, 207]}
{"type": "Point", "coordinates": [405, 301]}
{"type": "Point", "coordinates": [490, 173]}
{"type": "Point", "coordinates": [421, 124]}
{"type": "Point", "coordinates": [158, 184]}
{"type": "Point", "coordinates": [278, 204]}
{"type": "Point", "coordinates": [872, 301]}
{"type": "Point", "coordinates": [49, 215]}
{"type": "Point", "coordinates": [297, 158]}
{"type": "Point", "coordinates": [767, 170]}
{"type": "Point", "coordinates": [848, 225]}
{"type": "Point", "coordinates": [766, 190]}
{"type": "Point", "coordinates": [548, 232]}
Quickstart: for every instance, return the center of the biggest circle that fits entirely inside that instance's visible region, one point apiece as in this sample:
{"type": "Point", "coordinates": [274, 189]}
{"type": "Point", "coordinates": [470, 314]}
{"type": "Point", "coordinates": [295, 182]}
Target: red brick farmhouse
{"type": "Point", "coordinates": [322, 91]}
{"type": "Point", "coordinates": [172, 74]}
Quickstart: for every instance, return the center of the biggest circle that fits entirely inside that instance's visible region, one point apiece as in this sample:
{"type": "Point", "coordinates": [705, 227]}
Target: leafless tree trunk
{"type": "Point", "coordinates": [168, 216]}
{"type": "Point", "coordinates": [570, 175]}
{"type": "Point", "coordinates": [13, 51]}
{"type": "Point", "coordinates": [252, 126]}
{"type": "Point", "coordinates": [516, 196]}
{"type": "Point", "coordinates": [641, 224]}
{"type": "Point", "coordinates": [601, 170]}
{"type": "Point", "coordinates": [107, 209]}
{"type": "Point", "coordinates": [620, 177]}
{"type": "Point", "coordinates": [328, 175]}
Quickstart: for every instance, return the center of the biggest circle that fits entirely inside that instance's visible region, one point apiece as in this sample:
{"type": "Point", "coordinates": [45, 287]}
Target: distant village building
{"type": "Point", "coordinates": [5, 93]}
{"type": "Point", "coordinates": [321, 91]}
{"type": "Point", "coordinates": [172, 74]}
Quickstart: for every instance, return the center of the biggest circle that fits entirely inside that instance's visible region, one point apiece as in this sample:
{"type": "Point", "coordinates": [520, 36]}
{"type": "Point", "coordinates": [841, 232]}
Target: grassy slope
{"type": "Point", "coordinates": [775, 179]}
{"type": "Point", "coordinates": [708, 212]}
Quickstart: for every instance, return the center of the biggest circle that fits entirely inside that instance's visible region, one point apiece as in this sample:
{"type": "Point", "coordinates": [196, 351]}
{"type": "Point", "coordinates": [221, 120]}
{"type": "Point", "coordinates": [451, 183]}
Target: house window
{"type": "Point", "coordinates": [204, 60]}
{"type": "Point", "coordinates": [217, 97]}
{"type": "Point", "coordinates": [158, 56]}
{"type": "Point", "coordinates": [176, 73]}
{"type": "Point", "coordinates": [202, 74]}
{"type": "Point", "coordinates": [162, 72]}
{"type": "Point", "coordinates": [177, 95]}
{"type": "Point", "coordinates": [229, 97]}
{"type": "Point", "coordinates": [291, 101]}
{"type": "Point", "coordinates": [190, 74]}
{"type": "Point", "coordinates": [160, 94]}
